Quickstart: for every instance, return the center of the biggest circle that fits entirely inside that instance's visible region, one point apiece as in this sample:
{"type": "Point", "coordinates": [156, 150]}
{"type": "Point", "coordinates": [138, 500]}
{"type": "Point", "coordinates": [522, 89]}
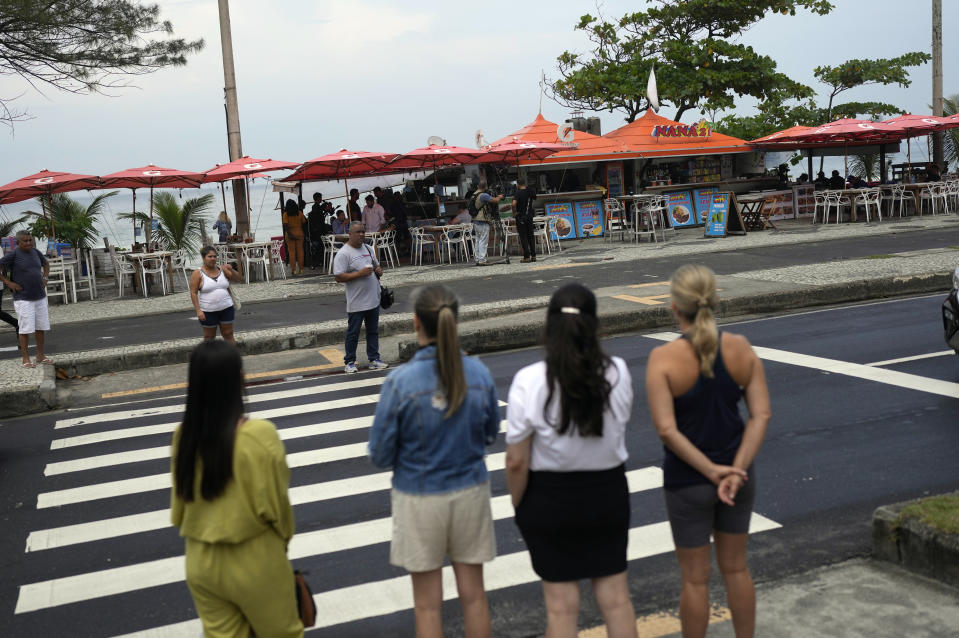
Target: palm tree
{"type": "Point", "coordinates": [864, 166]}
{"type": "Point", "coordinates": [179, 228]}
{"type": "Point", "coordinates": [950, 138]}
{"type": "Point", "coordinates": [8, 228]}
{"type": "Point", "coordinates": [73, 222]}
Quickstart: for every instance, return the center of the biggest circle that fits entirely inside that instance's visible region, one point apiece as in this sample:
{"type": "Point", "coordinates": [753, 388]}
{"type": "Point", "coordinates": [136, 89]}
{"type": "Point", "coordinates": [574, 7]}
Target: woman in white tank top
{"type": "Point", "coordinates": [210, 292]}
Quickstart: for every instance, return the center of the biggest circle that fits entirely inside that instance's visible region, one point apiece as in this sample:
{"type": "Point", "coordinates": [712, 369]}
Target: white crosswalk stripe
{"type": "Point", "coordinates": [86, 518]}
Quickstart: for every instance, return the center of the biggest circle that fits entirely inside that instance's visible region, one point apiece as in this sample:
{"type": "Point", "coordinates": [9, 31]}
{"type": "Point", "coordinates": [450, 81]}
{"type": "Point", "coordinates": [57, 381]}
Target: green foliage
{"type": "Point", "coordinates": [950, 138]}
{"type": "Point", "coordinates": [940, 512]}
{"type": "Point", "coordinates": [84, 45]}
{"type": "Point", "coordinates": [780, 110]}
{"type": "Point", "coordinates": [8, 228]}
{"type": "Point", "coordinates": [698, 63]}
{"type": "Point", "coordinates": [73, 222]}
{"type": "Point", "coordinates": [865, 166]}
{"type": "Point", "coordinates": [179, 228]}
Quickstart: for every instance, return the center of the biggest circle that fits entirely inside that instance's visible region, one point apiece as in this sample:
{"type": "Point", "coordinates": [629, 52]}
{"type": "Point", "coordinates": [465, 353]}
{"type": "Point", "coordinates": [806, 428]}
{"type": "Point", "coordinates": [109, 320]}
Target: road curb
{"type": "Point", "coordinates": [521, 326]}
{"type": "Point", "coordinates": [914, 545]}
{"type": "Point", "coordinates": [479, 339]}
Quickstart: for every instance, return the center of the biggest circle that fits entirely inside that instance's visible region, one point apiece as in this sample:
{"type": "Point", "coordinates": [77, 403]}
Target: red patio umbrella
{"type": "Point", "coordinates": [244, 167]}
{"type": "Point", "coordinates": [341, 165]}
{"type": "Point", "coordinates": [844, 131]}
{"type": "Point", "coordinates": [150, 176]}
{"type": "Point", "coordinates": [434, 157]}
{"type": "Point", "coordinates": [780, 136]}
{"type": "Point", "coordinates": [517, 149]}
{"type": "Point", "coordinates": [918, 125]}
{"type": "Point", "coordinates": [46, 183]}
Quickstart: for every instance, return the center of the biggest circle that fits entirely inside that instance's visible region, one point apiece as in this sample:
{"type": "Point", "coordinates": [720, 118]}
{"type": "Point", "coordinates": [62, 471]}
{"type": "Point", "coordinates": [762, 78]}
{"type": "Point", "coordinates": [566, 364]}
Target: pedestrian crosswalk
{"type": "Point", "coordinates": [101, 552]}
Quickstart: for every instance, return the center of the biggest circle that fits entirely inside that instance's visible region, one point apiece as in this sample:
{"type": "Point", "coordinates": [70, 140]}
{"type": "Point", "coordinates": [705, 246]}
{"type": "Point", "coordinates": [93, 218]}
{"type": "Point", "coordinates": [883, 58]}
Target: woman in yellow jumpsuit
{"type": "Point", "coordinates": [230, 482]}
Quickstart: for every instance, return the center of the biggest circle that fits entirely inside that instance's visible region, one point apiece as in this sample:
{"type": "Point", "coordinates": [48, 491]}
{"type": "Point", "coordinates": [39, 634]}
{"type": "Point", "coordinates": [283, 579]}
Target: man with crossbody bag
{"type": "Point", "coordinates": [482, 202]}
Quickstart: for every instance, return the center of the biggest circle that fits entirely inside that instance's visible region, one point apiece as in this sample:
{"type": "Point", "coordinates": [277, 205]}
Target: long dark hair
{"type": "Point", "coordinates": [214, 405]}
{"type": "Point", "coordinates": [437, 307]}
{"type": "Point", "coordinates": [575, 362]}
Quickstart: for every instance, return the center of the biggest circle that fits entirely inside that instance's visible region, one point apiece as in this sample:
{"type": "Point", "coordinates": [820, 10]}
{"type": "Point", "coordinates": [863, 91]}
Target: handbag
{"type": "Point", "coordinates": [387, 297]}
{"type": "Point", "coordinates": [305, 605]}
{"type": "Point", "coordinates": [237, 304]}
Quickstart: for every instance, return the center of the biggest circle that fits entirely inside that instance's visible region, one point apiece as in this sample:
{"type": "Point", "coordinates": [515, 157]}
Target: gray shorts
{"type": "Point", "coordinates": [695, 511]}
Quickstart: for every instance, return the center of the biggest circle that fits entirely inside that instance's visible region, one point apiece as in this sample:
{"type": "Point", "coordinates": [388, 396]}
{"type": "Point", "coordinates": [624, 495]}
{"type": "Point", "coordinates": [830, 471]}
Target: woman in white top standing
{"type": "Point", "coordinates": [210, 292]}
{"type": "Point", "coordinates": [565, 455]}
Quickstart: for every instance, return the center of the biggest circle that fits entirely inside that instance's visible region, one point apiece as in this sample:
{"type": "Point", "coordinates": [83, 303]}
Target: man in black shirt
{"type": "Point", "coordinates": [837, 182]}
{"type": "Point", "coordinates": [316, 228]}
{"type": "Point", "coordinates": [353, 211]}
{"type": "Point", "coordinates": [523, 213]}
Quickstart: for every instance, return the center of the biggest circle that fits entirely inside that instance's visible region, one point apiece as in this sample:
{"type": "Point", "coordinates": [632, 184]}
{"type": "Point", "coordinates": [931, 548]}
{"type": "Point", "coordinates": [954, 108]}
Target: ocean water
{"type": "Point", "coordinates": [265, 219]}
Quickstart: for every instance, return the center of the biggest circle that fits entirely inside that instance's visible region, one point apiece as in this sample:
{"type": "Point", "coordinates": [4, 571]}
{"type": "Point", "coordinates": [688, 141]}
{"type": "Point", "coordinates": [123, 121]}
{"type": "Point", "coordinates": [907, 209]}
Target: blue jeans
{"type": "Point", "coordinates": [372, 319]}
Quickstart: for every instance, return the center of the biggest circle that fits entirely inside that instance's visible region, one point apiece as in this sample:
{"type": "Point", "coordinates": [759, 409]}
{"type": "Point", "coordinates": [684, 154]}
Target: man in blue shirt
{"type": "Point", "coordinates": [25, 271]}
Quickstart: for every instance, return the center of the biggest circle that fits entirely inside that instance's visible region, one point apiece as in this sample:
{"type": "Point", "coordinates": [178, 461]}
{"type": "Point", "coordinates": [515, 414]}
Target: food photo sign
{"type": "Point", "coordinates": [724, 218]}
{"type": "Point", "coordinates": [702, 197]}
{"type": "Point", "coordinates": [679, 209]}
{"type": "Point", "coordinates": [589, 218]}
{"type": "Point", "coordinates": [565, 224]}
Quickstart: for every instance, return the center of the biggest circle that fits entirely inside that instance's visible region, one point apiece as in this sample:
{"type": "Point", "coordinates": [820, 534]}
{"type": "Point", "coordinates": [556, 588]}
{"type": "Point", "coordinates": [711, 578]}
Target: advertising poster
{"type": "Point", "coordinates": [718, 211]}
{"type": "Point", "coordinates": [679, 209]}
{"type": "Point", "coordinates": [702, 198]}
{"type": "Point", "coordinates": [589, 217]}
{"type": "Point", "coordinates": [565, 223]}
{"type": "Point", "coordinates": [614, 179]}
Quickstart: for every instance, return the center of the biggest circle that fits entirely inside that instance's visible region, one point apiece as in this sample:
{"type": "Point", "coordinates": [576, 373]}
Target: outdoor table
{"type": "Point", "coordinates": [755, 212]}
{"type": "Point", "coordinates": [638, 201]}
{"type": "Point", "coordinates": [243, 250]}
{"type": "Point", "coordinates": [139, 258]}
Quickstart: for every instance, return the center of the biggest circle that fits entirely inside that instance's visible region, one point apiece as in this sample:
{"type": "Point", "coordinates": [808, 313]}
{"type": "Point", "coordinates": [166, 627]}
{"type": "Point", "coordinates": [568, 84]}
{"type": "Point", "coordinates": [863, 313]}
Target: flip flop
{"type": "Point", "coordinates": [46, 360]}
{"type": "Point", "coordinates": [28, 364]}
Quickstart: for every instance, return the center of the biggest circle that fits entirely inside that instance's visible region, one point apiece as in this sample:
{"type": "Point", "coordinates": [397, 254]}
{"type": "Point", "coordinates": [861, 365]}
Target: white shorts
{"type": "Point", "coordinates": [32, 315]}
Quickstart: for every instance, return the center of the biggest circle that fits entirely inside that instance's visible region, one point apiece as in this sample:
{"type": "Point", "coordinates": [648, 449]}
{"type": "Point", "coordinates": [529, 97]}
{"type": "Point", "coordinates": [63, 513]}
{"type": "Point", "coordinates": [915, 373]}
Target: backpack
{"type": "Point", "coordinates": [481, 212]}
{"type": "Point", "coordinates": [471, 204]}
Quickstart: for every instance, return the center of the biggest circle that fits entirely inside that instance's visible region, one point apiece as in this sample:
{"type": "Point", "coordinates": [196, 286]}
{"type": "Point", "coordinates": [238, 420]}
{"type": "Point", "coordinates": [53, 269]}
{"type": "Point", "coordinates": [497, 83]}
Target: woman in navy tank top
{"type": "Point", "coordinates": [694, 385]}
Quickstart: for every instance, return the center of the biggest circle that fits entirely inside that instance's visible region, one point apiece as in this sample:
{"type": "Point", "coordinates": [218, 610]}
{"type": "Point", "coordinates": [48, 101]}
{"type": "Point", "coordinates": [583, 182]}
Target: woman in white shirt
{"type": "Point", "coordinates": [210, 293]}
{"type": "Point", "coordinates": [565, 455]}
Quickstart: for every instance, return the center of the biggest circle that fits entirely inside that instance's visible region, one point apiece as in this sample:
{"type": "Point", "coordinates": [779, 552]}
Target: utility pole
{"type": "Point", "coordinates": [937, 154]}
{"type": "Point", "coordinates": [241, 209]}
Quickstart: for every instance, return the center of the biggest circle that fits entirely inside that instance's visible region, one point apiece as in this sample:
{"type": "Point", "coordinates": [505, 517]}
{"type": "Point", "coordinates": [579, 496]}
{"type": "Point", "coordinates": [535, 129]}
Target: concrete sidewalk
{"type": "Point", "coordinates": [518, 321]}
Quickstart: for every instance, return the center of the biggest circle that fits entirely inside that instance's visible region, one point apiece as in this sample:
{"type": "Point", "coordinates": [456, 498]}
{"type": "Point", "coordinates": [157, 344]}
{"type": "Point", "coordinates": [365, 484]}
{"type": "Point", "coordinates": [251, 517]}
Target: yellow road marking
{"type": "Point", "coordinates": [661, 624]}
{"type": "Point", "coordinates": [556, 266]}
{"type": "Point", "coordinates": [330, 354]}
{"type": "Point", "coordinates": [652, 283]}
{"type": "Point", "coordinates": [654, 300]}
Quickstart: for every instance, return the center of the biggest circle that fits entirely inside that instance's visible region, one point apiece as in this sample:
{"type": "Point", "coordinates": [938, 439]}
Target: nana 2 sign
{"type": "Point", "coordinates": [699, 130]}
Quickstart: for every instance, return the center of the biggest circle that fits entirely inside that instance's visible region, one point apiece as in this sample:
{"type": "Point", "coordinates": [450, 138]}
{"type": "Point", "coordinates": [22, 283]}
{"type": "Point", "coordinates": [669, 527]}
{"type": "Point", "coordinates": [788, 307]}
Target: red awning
{"type": "Point", "coordinates": [45, 183]}
{"type": "Point", "coordinates": [151, 176]}
{"type": "Point", "coordinates": [244, 167]}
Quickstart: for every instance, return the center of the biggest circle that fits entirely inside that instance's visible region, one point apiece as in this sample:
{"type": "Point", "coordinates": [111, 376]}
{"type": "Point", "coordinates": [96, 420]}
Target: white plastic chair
{"type": "Point", "coordinates": [57, 284]}
{"type": "Point", "coordinates": [388, 245]}
{"type": "Point", "coordinates": [614, 220]}
{"type": "Point", "coordinates": [276, 259]}
{"type": "Point", "coordinates": [454, 239]}
{"type": "Point", "coordinates": [422, 240]}
{"type": "Point", "coordinates": [867, 199]}
{"type": "Point", "coordinates": [928, 194]}
{"type": "Point", "coordinates": [153, 266]}
{"type": "Point", "coordinates": [259, 256]}
{"type": "Point", "coordinates": [821, 203]}
{"type": "Point", "coordinates": [179, 263]}
{"type": "Point", "coordinates": [88, 282]}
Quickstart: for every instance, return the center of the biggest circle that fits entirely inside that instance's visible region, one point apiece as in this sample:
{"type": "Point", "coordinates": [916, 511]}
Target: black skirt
{"type": "Point", "coordinates": [576, 524]}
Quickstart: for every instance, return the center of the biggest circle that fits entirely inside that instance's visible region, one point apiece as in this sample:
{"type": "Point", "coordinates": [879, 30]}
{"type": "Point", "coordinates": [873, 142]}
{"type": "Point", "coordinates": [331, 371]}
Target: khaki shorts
{"type": "Point", "coordinates": [429, 527]}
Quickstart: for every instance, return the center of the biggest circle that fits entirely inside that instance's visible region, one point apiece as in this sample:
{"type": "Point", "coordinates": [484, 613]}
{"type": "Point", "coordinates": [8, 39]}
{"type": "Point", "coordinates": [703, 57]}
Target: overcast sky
{"type": "Point", "coordinates": [381, 75]}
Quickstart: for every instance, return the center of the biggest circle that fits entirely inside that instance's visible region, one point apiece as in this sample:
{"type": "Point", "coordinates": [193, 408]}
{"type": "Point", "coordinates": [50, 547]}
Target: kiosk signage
{"type": "Point", "coordinates": [679, 209]}
{"type": "Point", "coordinates": [589, 218]}
{"type": "Point", "coordinates": [565, 227]}
{"type": "Point", "coordinates": [702, 197]}
{"type": "Point", "coordinates": [724, 218]}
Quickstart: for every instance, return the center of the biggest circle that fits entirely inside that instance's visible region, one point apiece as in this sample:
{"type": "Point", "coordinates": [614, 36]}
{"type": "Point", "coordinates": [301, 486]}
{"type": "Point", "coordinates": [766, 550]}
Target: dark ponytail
{"type": "Point", "coordinates": [437, 308]}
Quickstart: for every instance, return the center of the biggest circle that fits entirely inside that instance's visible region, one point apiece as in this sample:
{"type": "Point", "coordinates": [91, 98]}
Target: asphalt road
{"type": "Point", "coordinates": [521, 284]}
{"type": "Point", "coordinates": [839, 444]}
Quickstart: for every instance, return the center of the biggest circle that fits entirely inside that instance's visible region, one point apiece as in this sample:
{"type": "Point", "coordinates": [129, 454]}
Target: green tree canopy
{"type": "Point", "coordinates": [84, 45]}
{"type": "Point", "coordinates": [178, 227]}
{"type": "Point", "coordinates": [698, 62]}
{"type": "Point", "coordinates": [73, 222]}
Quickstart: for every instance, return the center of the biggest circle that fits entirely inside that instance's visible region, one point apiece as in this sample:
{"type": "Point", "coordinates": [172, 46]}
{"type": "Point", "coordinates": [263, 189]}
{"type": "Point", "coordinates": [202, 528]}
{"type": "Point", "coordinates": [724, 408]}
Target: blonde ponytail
{"type": "Point", "coordinates": [693, 291]}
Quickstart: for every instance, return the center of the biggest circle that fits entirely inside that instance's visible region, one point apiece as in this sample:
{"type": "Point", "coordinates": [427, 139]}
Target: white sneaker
{"type": "Point", "coordinates": [350, 368]}
{"type": "Point", "coordinates": [378, 365]}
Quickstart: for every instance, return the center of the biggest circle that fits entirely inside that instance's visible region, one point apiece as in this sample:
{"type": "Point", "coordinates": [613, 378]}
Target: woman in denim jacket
{"type": "Point", "coordinates": [435, 416]}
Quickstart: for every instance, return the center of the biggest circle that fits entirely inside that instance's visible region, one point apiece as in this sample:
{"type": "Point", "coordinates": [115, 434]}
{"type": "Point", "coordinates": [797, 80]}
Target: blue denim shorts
{"type": "Point", "coordinates": [216, 317]}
